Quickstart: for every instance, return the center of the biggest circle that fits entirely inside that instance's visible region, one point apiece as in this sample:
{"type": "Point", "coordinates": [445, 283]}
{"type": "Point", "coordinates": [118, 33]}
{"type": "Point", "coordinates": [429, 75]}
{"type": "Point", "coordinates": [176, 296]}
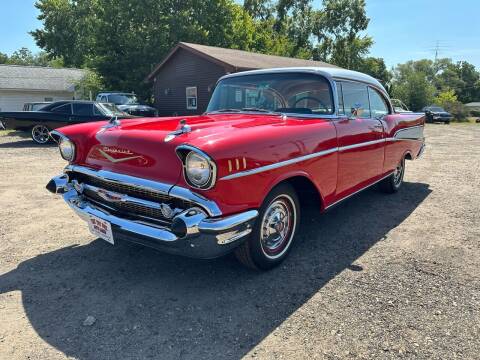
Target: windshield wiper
{"type": "Point", "coordinates": [254, 109]}
{"type": "Point", "coordinates": [224, 110]}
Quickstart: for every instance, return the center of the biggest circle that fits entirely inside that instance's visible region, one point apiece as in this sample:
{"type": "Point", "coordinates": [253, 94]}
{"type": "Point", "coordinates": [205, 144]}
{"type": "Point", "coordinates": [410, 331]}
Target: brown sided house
{"type": "Point", "coordinates": [184, 80]}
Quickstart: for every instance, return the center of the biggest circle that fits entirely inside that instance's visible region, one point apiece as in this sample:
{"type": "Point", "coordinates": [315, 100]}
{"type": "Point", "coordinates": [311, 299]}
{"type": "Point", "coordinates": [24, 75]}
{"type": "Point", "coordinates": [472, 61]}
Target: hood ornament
{"type": "Point", "coordinates": [184, 128]}
{"type": "Point", "coordinates": [113, 122]}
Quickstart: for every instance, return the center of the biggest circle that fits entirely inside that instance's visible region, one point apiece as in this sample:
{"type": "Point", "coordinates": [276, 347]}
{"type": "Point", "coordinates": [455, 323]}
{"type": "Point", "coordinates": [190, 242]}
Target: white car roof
{"type": "Point", "coordinates": [329, 72]}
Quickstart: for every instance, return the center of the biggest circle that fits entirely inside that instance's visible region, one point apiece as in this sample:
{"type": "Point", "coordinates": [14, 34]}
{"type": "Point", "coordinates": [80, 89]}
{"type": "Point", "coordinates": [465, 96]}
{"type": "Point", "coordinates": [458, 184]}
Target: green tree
{"type": "Point", "coordinates": [375, 67]}
{"type": "Point", "coordinates": [3, 58]}
{"type": "Point", "coordinates": [338, 29]}
{"type": "Point", "coordinates": [90, 85]}
{"type": "Point", "coordinates": [412, 85]}
{"type": "Point", "coordinates": [446, 99]}
{"type": "Point", "coordinates": [122, 39]}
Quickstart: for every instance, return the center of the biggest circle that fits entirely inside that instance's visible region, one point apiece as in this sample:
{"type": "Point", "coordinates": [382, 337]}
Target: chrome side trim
{"type": "Point", "coordinates": [166, 189]}
{"type": "Point", "coordinates": [356, 192]}
{"type": "Point", "coordinates": [279, 164]}
{"type": "Point", "coordinates": [367, 143]}
{"type": "Point", "coordinates": [410, 133]}
{"type": "Point", "coordinates": [299, 159]}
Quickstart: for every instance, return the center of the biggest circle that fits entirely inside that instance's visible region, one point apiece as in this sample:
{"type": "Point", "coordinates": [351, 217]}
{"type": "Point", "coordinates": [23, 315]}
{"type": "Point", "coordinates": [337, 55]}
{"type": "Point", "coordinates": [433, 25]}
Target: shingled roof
{"type": "Point", "coordinates": [39, 78]}
{"type": "Point", "coordinates": [238, 60]}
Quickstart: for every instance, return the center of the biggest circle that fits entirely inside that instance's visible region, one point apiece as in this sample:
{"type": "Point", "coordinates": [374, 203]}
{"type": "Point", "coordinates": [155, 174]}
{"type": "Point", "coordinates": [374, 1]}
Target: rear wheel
{"type": "Point", "coordinates": [393, 183]}
{"type": "Point", "coordinates": [274, 230]}
{"type": "Point", "coordinates": [40, 134]}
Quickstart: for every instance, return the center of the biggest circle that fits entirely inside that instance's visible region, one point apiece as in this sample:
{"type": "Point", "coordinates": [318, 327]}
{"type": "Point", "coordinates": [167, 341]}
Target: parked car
{"type": "Point", "coordinates": [236, 177]}
{"type": "Point", "coordinates": [35, 106]}
{"type": "Point", "coordinates": [61, 113]}
{"type": "Point", "coordinates": [437, 114]}
{"type": "Point", "coordinates": [399, 106]}
{"type": "Point", "coordinates": [127, 102]}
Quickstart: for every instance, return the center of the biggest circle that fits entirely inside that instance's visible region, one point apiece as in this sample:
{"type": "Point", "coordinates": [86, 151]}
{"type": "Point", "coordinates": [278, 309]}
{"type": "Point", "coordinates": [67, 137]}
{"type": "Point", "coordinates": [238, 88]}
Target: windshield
{"type": "Point", "coordinates": [123, 99]}
{"type": "Point", "coordinates": [299, 93]}
{"type": "Point", "coordinates": [111, 109]}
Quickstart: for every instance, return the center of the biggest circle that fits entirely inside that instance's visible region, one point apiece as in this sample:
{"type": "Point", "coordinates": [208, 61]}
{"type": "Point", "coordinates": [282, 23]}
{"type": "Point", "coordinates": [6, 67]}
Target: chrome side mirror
{"type": "Point", "coordinates": [356, 110]}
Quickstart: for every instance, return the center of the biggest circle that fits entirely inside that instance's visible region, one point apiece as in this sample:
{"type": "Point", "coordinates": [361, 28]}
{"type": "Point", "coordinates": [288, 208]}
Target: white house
{"type": "Point", "coordinates": [22, 84]}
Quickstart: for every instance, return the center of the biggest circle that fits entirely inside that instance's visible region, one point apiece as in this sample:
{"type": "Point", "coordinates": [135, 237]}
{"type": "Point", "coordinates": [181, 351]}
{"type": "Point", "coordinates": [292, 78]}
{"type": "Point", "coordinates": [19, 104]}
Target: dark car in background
{"type": "Point", "coordinates": [57, 114]}
{"type": "Point", "coordinates": [127, 102]}
{"type": "Point", "coordinates": [437, 114]}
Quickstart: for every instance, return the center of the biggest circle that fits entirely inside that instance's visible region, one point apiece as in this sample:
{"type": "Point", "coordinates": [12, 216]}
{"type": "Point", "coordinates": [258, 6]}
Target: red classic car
{"type": "Point", "coordinates": [235, 178]}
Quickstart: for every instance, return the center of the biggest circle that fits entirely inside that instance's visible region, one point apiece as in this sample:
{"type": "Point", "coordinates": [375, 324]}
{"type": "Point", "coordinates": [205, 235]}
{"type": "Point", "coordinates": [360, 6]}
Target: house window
{"type": "Point", "coordinates": [191, 93]}
{"type": "Point", "coordinates": [48, 99]}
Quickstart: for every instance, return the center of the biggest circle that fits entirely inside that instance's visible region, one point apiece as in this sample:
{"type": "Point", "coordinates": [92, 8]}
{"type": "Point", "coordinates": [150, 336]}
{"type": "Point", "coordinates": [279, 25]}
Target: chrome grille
{"type": "Point", "coordinates": [127, 208]}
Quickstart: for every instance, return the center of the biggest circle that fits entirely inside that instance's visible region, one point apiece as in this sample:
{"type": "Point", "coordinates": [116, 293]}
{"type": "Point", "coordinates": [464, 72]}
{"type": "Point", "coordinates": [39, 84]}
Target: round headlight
{"type": "Point", "coordinates": [197, 169]}
{"type": "Point", "coordinates": [67, 149]}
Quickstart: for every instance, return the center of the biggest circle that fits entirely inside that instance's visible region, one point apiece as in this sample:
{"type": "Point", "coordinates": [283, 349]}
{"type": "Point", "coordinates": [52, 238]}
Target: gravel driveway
{"type": "Point", "coordinates": [380, 276]}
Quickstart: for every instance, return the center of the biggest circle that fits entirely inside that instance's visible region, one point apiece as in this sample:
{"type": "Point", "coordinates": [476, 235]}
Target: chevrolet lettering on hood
{"type": "Point", "coordinates": [236, 178]}
{"type": "Point", "coordinates": [117, 155]}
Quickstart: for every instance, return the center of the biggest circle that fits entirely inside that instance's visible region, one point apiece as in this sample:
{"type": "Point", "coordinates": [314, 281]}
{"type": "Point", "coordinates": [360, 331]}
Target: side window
{"type": "Point", "coordinates": [341, 108]}
{"type": "Point", "coordinates": [355, 95]}
{"type": "Point", "coordinates": [378, 105]}
{"type": "Point", "coordinates": [63, 109]}
{"type": "Point", "coordinates": [83, 109]}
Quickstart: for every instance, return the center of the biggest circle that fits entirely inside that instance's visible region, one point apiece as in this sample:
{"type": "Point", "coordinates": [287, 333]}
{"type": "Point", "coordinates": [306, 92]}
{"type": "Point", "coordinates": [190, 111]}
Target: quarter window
{"type": "Point", "coordinates": [83, 109]}
{"type": "Point", "coordinates": [378, 105]}
{"type": "Point", "coordinates": [191, 93]}
{"type": "Point", "coordinates": [355, 96]}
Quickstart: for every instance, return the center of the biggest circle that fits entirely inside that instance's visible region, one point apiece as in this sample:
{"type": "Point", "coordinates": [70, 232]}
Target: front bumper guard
{"type": "Point", "coordinates": [202, 236]}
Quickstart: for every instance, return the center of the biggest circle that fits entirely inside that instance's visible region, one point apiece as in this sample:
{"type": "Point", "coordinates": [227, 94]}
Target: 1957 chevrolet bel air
{"type": "Point", "coordinates": [235, 178]}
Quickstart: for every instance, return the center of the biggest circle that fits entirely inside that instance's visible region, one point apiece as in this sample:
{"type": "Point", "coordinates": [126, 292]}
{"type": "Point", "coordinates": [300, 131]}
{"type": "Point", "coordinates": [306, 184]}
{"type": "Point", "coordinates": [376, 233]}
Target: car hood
{"type": "Point", "coordinates": [147, 147]}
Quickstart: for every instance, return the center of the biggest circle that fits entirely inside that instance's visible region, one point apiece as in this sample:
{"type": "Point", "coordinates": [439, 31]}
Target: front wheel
{"type": "Point", "coordinates": [274, 230]}
{"type": "Point", "coordinates": [40, 134]}
{"type": "Point", "coordinates": [393, 183]}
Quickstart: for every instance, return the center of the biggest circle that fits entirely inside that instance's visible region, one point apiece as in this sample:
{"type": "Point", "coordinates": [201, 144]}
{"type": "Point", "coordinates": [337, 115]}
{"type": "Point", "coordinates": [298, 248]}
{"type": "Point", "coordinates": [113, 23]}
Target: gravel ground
{"type": "Point", "coordinates": [380, 276]}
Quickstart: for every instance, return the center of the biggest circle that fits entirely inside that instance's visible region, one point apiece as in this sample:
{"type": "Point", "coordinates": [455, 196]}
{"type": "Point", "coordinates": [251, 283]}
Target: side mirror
{"type": "Point", "coordinates": [356, 111]}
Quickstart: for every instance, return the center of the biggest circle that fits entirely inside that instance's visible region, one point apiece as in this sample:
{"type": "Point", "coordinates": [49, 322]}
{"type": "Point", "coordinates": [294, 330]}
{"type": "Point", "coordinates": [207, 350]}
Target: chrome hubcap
{"type": "Point", "coordinates": [277, 226]}
{"type": "Point", "coordinates": [398, 174]}
{"type": "Point", "coordinates": [40, 134]}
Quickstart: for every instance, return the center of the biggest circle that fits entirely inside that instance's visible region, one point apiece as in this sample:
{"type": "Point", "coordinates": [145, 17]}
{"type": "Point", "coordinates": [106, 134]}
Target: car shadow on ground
{"type": "Point", "coordinates": [26, 141]}
{"type": "Point", "coordinates": [152, 305]}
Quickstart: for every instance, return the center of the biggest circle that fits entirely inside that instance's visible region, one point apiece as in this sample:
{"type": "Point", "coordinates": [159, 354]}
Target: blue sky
{"type": "Point", "coordinates": [402, 29]}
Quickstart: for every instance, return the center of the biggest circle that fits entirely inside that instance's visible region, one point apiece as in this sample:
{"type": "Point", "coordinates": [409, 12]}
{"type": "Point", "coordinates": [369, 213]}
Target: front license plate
{"type": "Point", "coordinates": [100, 228]}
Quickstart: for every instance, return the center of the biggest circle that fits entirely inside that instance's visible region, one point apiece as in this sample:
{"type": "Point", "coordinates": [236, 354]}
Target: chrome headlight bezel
{"type": "Point", "coordinates": [64, 143]}
{"type": "Point", "coordinates": [188, 153]}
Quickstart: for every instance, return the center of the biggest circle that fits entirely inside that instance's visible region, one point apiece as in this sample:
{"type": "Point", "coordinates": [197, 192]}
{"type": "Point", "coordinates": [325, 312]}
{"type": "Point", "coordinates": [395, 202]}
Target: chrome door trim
{"type": "Point", "coordinates": [279, 164]}
{"type": "Point", "coordinates": [367, 143]}
{"type": "Point", "coordinates": [300, 159]}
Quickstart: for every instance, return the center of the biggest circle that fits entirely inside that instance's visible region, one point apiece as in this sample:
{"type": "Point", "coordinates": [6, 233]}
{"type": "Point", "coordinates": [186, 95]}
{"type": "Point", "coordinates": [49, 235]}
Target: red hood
{"type": "Point", "coordinates": [137, 147]}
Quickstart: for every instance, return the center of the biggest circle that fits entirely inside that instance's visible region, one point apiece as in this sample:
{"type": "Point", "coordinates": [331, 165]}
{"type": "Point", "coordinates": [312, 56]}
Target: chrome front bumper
{"type": "Point", "coordinates": [204, 236]}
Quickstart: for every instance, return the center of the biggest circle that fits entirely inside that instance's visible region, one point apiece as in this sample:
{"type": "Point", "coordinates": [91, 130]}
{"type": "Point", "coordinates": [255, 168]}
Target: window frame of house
{"type": "Point", "coordinates": [188, 97]}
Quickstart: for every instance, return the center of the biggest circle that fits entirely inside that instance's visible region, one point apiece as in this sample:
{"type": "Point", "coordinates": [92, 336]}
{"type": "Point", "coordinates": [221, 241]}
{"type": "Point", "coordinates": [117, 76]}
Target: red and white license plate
{"type": "Point", "coordinates": [100, 228]}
